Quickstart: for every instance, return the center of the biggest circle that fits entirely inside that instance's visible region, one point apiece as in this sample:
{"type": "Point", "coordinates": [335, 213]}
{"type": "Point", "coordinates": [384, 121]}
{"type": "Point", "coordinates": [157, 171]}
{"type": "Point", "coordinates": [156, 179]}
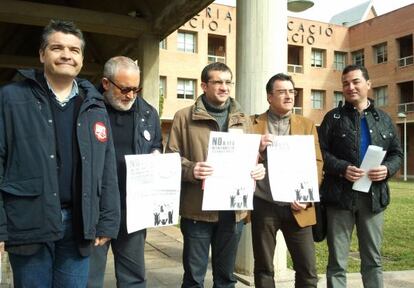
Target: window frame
{"type": "Point", "coordinates": [380, 52]}
{"type": "Point", "coordinates": [381, 95]}
{"type": "Point", "coordinates": [316, 62]}
{"type": "Point", "coordinates": [321, 100]}
{"type": "Point", "coordinates": [184, 86]}
{"type": "Point", "coordinates": [185, 43]}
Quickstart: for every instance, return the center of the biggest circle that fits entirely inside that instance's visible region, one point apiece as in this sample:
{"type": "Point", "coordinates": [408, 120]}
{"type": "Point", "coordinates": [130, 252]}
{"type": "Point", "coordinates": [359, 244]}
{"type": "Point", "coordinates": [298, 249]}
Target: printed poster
{"type": "Point", "coordinates": [153, 190]}
{"type": "Point", "coordinates": [292, 169]}
{"type": "Point", "coordinates": [232, 156]}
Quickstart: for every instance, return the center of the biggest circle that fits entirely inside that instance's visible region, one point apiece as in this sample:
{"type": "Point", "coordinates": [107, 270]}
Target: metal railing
{"type": "Point", "coordinates": [405, 61]}
{"type": "Point", "coordinates": [298, 110]}
{"type": "Point", "coordinates": [406, 107]}
{"type": "Point", "coordinates": [293, 68]}
{"type": "Point", "coordinates": [214, 58]}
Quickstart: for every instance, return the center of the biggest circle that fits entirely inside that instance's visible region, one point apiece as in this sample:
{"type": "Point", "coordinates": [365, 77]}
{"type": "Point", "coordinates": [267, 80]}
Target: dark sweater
{"type": "Point", "coordinates": [122, 124]}
{"type": "Point", "coordinates": [64, 118]}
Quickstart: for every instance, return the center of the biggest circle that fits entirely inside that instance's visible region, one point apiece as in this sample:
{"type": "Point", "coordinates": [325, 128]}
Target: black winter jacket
{"type": "Point", "coordinates": [30, 210]}
{"type": "Point", "coordinates": [339, 137]}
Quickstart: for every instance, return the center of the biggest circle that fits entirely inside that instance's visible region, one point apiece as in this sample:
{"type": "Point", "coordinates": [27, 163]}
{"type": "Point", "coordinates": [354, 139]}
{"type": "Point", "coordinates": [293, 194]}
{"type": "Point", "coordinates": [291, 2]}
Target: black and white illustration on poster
{"type": "Point", "coordinates": [292, 169]}
{"type": "Point", "coordinates": [232, 156]}
{"type": "Point", "coordinates": [163, 214]}
{"type": "Point", "coordinates": [153, 190]}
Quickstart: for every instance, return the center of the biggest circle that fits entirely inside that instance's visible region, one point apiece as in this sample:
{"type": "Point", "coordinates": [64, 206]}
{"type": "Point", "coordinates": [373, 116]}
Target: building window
{"type": "Point", "coordinates": [295, 59]}
{"type": "Point", "coordinates": [163, 86]}
{"type": "Point", "coordinates": [380, 53]}
{"type": "Point", "coordinates": [317, 98]}
{"type": "Point", "coordinates": [358, 58]}
{"type": "Point", "coordinates": [186, 41]}
{"type": "Point", "coordinates": [216, 49]}
{"type": "Point", "coordinates": [340, 60]}
{"type": "Point", "coordinates": [318, 56]}
{"type": "Point", "coordinates": [163, 43]}
{"type": "Point", "coordinates": [381, 96]}
{"type": "Point", "coordinates": [338, 96]}
{"type": "Point", "coordinates": [185, 88]}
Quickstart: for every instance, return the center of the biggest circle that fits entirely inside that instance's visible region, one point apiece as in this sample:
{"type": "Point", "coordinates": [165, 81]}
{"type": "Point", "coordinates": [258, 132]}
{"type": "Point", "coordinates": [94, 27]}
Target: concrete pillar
{"type": "Point", "coordinates": [261, 48]}
{"type": "Point", "coordinates": [149, 63]}
{"type": "Point", "coordinates": [261, 53]}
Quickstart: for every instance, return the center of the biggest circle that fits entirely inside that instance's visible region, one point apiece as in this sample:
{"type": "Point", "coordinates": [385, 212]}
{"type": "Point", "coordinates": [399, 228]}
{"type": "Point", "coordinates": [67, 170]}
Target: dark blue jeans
{"type": "Point", "coordinates": [56, 264]}
{"type": "Point", "coordinates": [224, 237]}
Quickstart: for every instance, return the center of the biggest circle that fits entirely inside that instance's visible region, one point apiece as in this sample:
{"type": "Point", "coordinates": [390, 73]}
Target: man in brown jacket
{"type": "Point", "coordinates": [214, 110]}
{"type": "Point", "coordinates": [293, 219]}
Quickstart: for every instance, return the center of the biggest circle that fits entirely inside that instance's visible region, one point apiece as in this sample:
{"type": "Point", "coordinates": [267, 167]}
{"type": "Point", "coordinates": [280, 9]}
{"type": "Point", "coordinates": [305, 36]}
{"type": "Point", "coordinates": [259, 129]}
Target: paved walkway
{"type": "Point", "coordinates": [164, 270]}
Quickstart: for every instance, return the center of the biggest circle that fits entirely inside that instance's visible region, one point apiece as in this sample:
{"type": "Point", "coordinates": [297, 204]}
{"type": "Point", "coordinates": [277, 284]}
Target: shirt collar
{"type": "Point", "coordinates": [73, 92]}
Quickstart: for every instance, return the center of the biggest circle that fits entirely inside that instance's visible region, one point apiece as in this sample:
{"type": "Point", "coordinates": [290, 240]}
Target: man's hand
{"type": "Point", "coordinates": [265, 141]}
{"type": "Point", "coordinates": [295, 205]}
{"type": "Point", "coordinates": [202, 170]}
{"type": "Point", "coordinates": [100, 241]}
{"type": "Point", "coordinates": [1, 248]}
{"type": "Point", "coordinates": [353, 173]}
{"type": "Point", "coordinates": [378, 174]}
{"type": "Point", "coordinates": [259, 172]}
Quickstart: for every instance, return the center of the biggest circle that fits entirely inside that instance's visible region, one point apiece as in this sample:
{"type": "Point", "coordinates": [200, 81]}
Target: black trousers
{"type": "Point", "coordinates": [267, 219]}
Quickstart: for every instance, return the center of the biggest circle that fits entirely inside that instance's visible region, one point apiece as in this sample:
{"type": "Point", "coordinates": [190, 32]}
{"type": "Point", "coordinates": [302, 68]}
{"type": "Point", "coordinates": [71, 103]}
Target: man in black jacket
{"type": "Point", "coordinates": [58, 184]}
{"type": "Point", "coordinates": [344, 135]}
{"type": "Point", "coordinates": [136, 128]}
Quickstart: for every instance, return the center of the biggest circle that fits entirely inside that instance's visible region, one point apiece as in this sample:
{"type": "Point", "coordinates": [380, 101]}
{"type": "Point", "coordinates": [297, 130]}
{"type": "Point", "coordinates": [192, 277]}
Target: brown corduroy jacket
{"type": "Point", "coordinates": [299, 125]}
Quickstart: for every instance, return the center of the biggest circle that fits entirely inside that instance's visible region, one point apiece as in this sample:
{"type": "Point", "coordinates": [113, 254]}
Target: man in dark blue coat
{"type": "Point", "coordinates": [344, 136]}
{"type": "Point", "coordinates": [136, 128]}
{"type": "Point", "coordinates": [58, 185]}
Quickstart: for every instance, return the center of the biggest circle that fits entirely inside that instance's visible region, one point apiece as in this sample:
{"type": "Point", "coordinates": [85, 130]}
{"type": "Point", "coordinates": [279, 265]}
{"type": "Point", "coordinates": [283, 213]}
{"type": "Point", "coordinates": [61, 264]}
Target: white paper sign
{"type": "Point", "coordinates": [153, 190]}
{"type": "Point", "coordinates": [292, 169]}
{"type": "Point", "coordinates": [232, 156]}
{"type": "Point", "coordinates": [372, 159]}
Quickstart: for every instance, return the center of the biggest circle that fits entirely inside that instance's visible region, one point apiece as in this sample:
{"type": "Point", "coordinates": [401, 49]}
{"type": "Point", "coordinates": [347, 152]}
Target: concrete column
{"type": "Point", "coordinates": [261, 52]}
{"type": "Point", "coordinates": [261, 49]}
{"type": "Point", "coordinates": [149, 64]}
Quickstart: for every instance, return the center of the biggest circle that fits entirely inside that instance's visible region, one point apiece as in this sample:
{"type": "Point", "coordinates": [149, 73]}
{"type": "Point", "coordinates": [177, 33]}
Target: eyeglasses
{"type": "Point", "coordinates": [284, 92]}
{"type": "Point", "coordinates": [126, 90]}
{"type": "Point", "coordinates": [228, 83]}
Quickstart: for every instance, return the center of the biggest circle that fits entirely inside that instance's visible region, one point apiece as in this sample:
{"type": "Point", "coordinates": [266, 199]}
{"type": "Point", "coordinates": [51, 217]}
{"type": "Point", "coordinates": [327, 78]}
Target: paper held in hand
{"type": "Point", "coordinates": [372, 159]}
{"type": "Point", "coordinates": [153, 190]}
{"type": "Point", "coordinates": [232, 156]}
{"type": "Point", "coordinates": [292, 169]}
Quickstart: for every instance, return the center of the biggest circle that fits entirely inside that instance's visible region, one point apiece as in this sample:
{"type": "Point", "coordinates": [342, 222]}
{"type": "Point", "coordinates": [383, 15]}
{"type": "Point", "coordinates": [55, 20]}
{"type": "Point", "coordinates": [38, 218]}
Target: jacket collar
{"type": "Point", "coordinates": [89, 91]}
{"type": "Point", "coordinates": [349, 107]}
{"type": "Point", "coordinates": [236, 116]}
{"type": "Point", "coordinates": [261, 122]}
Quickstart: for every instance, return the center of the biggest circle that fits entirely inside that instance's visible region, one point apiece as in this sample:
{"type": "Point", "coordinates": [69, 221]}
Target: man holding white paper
{"type": "Point", "coordinates": [136, 128]}
{"type": "Point", "coordinates": [293, 218]}
{"type": "Point", "coordinates": [345, 135]}
{"type": "Point", "coordinates": [214, 110]}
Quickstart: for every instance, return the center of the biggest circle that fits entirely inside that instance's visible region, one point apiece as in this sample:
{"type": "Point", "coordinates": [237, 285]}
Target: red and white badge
{"type": "Point", "coordinates": [100, 132]}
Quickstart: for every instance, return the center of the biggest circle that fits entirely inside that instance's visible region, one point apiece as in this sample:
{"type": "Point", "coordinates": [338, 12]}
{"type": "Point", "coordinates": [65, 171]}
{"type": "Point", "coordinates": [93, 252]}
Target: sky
{"type": "Point", "coordinates": [323, 10]}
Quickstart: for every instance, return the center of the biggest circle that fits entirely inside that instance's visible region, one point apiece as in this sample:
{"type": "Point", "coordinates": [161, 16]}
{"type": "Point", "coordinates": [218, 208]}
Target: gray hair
{"type": "Point", "coordinates": [115, 63]}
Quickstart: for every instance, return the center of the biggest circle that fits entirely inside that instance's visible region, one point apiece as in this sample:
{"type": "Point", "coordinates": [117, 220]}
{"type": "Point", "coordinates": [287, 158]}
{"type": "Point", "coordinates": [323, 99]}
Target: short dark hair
{"type": "Point", "coordinates": [354, 67]}
{"type": "Point", "coordinates": [216, 66]}
{"type": "Point", "coordinates": [66, 27]}
{"type": "Point", "coordinates": [280, 77]}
